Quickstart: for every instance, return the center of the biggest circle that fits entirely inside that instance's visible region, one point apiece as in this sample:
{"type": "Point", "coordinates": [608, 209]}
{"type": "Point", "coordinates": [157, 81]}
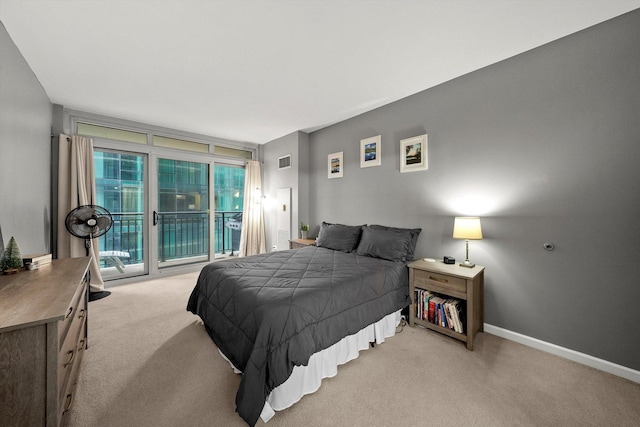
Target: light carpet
{"type": "Point", "coordinates": [151, 363]}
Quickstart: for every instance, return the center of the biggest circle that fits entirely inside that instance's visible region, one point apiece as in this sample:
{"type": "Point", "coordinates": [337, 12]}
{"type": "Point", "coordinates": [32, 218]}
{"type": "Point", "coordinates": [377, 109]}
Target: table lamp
{"type": "Point", "coordinates": [468, 228]}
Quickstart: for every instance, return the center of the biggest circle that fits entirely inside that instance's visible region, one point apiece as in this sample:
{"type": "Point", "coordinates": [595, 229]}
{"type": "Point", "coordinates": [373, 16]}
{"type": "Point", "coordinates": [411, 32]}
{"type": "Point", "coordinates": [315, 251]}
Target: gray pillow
{"type": "Point", "coordinates": [339, 237]}
{"type": "Point", "coordinates": [392, 243]}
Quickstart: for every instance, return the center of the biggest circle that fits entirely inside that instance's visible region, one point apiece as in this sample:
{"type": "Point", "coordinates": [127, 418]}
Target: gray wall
{"type": "Point", "coordinates": [296, 178]}
{"type": "Point", "coordinates": [25, 152]}
{"type": "Point", "coordinates": [545, 148]}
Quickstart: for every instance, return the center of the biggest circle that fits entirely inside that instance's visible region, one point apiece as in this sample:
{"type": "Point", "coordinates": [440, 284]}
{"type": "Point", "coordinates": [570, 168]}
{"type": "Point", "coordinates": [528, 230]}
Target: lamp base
{"type": "Point", "coordinates": [467, 264]}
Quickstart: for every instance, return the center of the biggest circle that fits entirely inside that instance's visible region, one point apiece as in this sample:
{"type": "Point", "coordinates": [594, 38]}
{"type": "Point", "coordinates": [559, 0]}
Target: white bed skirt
{"type": "Point", "coordinates": [324, 364]}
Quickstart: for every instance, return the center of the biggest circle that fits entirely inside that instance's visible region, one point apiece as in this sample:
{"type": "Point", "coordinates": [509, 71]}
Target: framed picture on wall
{"type": "Point", "coordinates": [413, 154]}
{"type": "Point", "coordinates": [335, 165]}
{"type": "Point", "coordinates": [370, 151]}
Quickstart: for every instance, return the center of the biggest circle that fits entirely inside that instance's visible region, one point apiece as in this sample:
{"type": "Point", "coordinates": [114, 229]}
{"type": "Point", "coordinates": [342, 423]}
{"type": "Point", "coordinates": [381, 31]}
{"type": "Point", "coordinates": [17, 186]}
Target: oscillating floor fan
{"type": "Point", "coordinates": [89, 222]}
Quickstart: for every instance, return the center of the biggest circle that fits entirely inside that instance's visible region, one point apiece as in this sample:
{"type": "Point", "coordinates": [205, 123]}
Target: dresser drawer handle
{"type": "Point", "coordinates": [72, 355]}
{"type": "Point", "coordinates": [439, 279]}
{"type": "Point", "coordinates": [67, 403]}
{"type": "Point", "coordinates": [83, 313]}
{"type": "Point", "coordinates": [69, 313]}
{"type": "Point", "coordinates": [81, 345]}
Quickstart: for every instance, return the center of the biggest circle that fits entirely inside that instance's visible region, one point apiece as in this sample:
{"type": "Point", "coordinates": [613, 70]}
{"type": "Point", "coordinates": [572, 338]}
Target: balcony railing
{"type": "Point", "coordinates": [180, 235]}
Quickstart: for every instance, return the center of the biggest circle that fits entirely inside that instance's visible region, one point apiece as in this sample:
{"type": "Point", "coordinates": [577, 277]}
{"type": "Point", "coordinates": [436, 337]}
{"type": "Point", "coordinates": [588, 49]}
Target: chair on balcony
{"type": "Point", "coordinates": [115, 258]}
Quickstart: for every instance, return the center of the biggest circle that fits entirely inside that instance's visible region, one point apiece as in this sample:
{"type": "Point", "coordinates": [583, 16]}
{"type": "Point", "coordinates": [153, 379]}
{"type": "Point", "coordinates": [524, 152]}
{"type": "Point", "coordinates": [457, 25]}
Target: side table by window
{"type": "Point", "coordinates": [301, 243]}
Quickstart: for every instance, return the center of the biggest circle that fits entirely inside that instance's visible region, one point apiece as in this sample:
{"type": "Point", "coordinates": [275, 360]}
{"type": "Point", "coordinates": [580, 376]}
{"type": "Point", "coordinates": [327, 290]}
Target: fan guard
{"type": "Point", "coordinates": [88, 222]}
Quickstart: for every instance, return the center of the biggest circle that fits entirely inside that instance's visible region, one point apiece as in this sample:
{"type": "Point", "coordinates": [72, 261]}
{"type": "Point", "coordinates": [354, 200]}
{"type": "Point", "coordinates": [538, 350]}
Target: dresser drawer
{"type": "Point", "coordinates": [79, 302]}
{"type": "Point", "coordinates": [439, 282]}
{"type": "Point", "coordinates": [66, 398]}
{"type": "Point", "coordinates": [68, 355]}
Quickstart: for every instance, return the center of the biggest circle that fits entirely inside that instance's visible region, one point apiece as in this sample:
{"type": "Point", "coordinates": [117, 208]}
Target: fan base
{"type": "Point", "coordinates": [94, 296]}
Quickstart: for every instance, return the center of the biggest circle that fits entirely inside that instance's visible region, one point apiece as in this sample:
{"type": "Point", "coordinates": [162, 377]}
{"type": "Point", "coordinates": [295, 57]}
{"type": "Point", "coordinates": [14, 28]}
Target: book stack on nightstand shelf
{"type": "Point", "coordinates": [447, 298]}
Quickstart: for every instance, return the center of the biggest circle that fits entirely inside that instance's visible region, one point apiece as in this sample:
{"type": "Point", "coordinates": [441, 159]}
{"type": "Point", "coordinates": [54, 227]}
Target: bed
{"type": "Point", "coordinates": [272, 312]}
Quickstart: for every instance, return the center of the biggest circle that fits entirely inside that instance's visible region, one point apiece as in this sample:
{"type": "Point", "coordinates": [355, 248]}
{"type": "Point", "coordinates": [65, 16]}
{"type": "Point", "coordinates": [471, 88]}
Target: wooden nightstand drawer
{"type": "Point", "coordinates": [440, 282]}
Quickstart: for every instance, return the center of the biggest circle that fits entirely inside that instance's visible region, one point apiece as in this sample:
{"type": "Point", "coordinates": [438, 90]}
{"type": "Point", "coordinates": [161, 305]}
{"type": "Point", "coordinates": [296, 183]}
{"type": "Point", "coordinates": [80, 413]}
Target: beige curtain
{"type": "Point", "coordinates": [252, 235]}
{"type": "Point", "coordinates": [76, 187]}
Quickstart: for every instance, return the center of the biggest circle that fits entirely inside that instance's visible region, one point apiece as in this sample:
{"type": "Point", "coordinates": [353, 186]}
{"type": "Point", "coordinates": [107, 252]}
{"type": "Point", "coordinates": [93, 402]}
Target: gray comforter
{"type": "Point", "coordinates": [268, 313]}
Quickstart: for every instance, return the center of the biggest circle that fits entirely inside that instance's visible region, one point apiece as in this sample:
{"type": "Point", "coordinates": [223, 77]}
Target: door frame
{"type": "Point", "coordinates": [152, 206]}
{"type": "Point", "coordinates": [145, 217]}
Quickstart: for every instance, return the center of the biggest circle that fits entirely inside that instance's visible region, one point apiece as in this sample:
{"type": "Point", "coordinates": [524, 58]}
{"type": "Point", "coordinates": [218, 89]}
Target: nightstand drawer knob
{"type": "Point", "coordinates": [438, 279]}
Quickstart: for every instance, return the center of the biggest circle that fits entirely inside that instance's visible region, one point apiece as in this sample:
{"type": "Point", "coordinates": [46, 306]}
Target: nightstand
{"type": "Point", "coordinates": [450, 281]}
{"type": "Point", "coordinates": [301, 243]}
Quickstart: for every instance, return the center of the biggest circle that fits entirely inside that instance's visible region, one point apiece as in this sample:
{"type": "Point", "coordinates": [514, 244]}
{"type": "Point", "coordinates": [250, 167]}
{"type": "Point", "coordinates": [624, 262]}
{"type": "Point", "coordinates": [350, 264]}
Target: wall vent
{"type": "Point", "coordinates": [284, 162]}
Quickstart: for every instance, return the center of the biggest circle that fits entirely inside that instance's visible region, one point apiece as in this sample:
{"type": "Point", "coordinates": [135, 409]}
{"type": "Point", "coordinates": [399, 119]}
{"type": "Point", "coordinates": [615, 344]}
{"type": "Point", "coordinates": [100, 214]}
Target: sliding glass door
{"type": "Point", "coordinates": [229, 195]}
{"type": "Point", "coordinates": [182, 214]}
{"type": "Point", "coordinates": [121, 189]}
{"type": "Point", "coordinates": [162, 211]}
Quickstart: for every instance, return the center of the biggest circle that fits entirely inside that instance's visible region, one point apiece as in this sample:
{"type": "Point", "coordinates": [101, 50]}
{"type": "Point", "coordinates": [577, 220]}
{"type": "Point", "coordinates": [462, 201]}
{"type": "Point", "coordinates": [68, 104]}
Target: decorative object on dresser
{"type": "Point", "coordinates": [35, 261]}
{"type": "Point", "coordinates": [11, 260]}
{"type": "Point", "coordinates": [468, 228]}
{"type": "Point", "coordinates": [43, 336]}
{"type": "Point", "coordinates": [447, 298]}
{"type": "Point", "coordinates": [301, 243]}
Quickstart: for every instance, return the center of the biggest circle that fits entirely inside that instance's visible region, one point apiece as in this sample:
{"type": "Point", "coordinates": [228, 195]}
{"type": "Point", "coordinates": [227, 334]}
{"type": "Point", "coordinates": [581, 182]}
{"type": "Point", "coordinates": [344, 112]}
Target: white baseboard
{"type": "Point", "coordinates": [585, 359]}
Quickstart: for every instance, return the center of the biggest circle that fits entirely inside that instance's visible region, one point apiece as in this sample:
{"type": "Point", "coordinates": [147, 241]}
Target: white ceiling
{"type": "Point", "coordinates": [258, 70]}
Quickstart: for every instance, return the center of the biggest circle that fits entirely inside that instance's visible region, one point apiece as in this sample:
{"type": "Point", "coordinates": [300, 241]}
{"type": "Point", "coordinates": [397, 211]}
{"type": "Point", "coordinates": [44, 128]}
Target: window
{"type": "Point", "coordinates": [158, 188]}
{"type": "Point", "coordinates": [181, 144]}
{"type": "Point", "coordinates": [111, 133]}
{"type": "Point", "coordinates": [232, 152]}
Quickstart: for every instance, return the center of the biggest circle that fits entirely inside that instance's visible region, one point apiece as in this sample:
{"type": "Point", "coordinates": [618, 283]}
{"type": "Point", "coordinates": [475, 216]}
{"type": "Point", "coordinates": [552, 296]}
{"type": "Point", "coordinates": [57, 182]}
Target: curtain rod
{"type": "Point", "coordinates": [68, 139]}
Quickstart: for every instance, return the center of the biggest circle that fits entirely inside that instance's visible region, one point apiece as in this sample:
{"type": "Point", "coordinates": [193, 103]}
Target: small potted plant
{"type": "Point", "coordinates": [304, 229]}
{"type": "Point", "coordinates": [11, 261]}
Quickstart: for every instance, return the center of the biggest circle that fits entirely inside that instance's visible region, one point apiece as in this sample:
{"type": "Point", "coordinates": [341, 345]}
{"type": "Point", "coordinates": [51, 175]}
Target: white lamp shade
{"type": "Point", "coordinates": [466, 227]}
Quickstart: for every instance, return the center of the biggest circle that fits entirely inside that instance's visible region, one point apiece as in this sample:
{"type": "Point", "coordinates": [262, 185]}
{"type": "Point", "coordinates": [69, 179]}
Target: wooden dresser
{"type": "Point", "coordinates": [43, 335]}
